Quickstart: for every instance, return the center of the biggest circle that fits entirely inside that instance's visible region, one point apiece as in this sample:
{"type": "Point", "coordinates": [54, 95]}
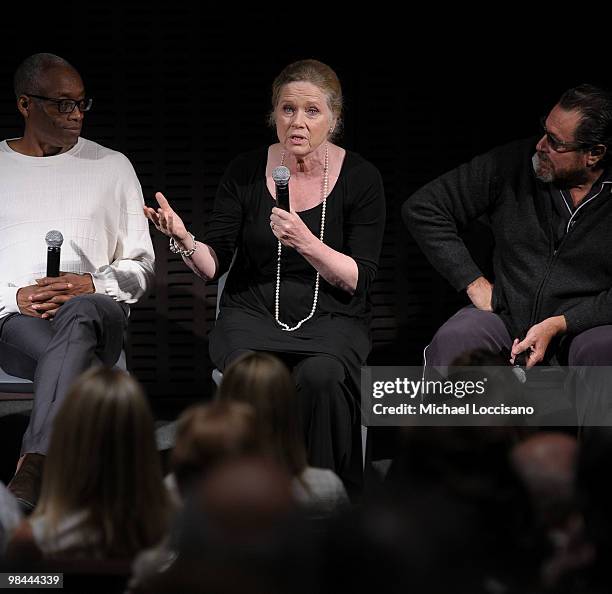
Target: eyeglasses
{"type": "Point", "coordinates": [67, 105]}
{"type": "Point", "coordinates": [559, 146]}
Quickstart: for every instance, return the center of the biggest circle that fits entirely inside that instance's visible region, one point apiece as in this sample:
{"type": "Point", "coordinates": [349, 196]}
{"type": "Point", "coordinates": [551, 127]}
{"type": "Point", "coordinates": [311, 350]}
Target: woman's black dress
{"type": "Point", "coordinates": [339, 329]}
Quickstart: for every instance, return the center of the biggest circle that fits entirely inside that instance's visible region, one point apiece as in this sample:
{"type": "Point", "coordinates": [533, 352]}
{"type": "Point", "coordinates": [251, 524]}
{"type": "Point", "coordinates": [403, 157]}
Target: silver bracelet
{"type": "Point", "coordinates": [175, 249]}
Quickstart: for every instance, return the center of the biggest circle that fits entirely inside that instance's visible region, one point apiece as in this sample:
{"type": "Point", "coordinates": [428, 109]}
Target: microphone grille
{"type": "Point", "coordinates": [520, 374]}
{"type": "Point", "coordinates": [54, 238]}
{"type": "Point", "coordinates": [281, 175]}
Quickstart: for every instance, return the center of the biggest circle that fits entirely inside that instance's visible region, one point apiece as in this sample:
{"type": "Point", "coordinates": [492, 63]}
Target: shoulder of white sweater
{"type": "Point", "coordinates": [93, 150]}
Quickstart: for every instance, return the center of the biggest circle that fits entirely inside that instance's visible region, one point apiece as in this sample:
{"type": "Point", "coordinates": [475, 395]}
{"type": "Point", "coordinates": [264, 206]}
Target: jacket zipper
{"type": "Point", "coordinates": [536, 308]}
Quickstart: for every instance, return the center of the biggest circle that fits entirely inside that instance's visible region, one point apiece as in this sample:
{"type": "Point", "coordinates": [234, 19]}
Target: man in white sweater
{"type": "Point", "coordinates": [52, 329]}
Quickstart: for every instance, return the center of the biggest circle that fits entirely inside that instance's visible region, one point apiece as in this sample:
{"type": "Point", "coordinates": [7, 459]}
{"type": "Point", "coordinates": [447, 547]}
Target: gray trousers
{"type": "Point", "coordinates": [54, 353]}
{"type": "Point", "coordinates": [471, 328]}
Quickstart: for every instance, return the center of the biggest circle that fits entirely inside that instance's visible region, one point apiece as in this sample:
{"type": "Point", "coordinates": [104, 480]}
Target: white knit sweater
{"type": "Point", "coordinates": [92, 195]}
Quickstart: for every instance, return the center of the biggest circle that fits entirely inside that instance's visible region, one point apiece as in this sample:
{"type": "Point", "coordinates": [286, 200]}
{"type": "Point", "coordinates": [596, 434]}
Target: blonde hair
{"type": "Point", "coordinates": [103, 460]}
{"type": "Point", "coordinates": [318, 74]}
{"type": "Point", "coordinates": [262, 380]}
{"type": "Point", "coordinates": [207, 434]}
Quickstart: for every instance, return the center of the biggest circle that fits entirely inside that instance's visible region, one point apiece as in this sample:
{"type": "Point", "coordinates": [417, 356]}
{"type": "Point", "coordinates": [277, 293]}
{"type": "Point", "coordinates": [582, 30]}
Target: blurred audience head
{"type": "Point", "coordinates": [546, 463]}
{"type": "Point", "coordinates": [239, 531]}
{"type": "Point", "coordinates": [208, 434]}
{"type": "Point", "coordinates": [244, 499]}
{"type": "Point", "coordinates": [103, 459]}
{"type": "Point", "coordinates": [421, 542]}
{"type": "Point", "coordinates": [264, 382]}
{"type": "Point", "coordinates": [470, 466]}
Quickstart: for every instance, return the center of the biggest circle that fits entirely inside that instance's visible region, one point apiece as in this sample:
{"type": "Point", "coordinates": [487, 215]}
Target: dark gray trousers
{"type": "Point", "coordinates": [54, 353]}
{"type": "Point", "coordinates": [471, 328]}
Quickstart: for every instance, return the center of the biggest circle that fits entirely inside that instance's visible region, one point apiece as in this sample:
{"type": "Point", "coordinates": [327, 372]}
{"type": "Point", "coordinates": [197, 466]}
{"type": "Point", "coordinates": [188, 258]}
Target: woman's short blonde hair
{"type": "Point", "coordinates": [318, 74]}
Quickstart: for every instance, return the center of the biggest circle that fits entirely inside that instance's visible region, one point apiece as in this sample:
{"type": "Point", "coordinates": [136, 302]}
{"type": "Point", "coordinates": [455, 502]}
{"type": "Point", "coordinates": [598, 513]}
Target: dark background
{"type": "Point", "coordinates": [181, 90]}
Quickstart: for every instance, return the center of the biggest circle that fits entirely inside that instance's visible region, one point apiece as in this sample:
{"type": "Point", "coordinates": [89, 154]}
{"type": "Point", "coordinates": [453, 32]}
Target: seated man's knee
{"type": "Point", "coordinates": [91, 306]}
{"type": "Point", "coordinates": [84, 301]}
{"type": "Point", "coordinates": [592, 347]}
{"type": "Point", "coordinates": [448, 343]}
{"type": "Point", "coordinates": [467, 330]}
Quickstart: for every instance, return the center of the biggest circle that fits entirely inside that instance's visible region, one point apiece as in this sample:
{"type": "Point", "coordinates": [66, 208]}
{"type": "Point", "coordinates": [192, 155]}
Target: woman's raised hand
{"type": "Point", "coordinates": [165, 219]}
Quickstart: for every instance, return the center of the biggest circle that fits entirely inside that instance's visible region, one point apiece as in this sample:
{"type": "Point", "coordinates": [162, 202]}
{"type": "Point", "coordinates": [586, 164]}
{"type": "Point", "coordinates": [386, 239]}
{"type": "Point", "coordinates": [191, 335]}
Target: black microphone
{"type": "Point", "coordinates": [54, 241]}
{"type": "Point", "coordinates": [281, 176]}
{"type": "Point", "coordinates": [521, 358]}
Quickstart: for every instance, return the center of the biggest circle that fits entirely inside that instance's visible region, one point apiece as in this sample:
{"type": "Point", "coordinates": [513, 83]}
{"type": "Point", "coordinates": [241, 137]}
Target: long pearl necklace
{"type": "Point", "coordinates": [324, 192]}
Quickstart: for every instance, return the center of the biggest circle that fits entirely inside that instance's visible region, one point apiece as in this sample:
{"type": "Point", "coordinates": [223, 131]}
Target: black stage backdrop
{"type": "Point", "coordinates": [181, 91]}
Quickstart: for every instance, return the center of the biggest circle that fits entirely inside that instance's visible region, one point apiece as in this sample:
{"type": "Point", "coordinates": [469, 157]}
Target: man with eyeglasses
{"type": "Point", "coordinates": [52, 329]}
{"type": "Point", "coordinates": [550, 207]}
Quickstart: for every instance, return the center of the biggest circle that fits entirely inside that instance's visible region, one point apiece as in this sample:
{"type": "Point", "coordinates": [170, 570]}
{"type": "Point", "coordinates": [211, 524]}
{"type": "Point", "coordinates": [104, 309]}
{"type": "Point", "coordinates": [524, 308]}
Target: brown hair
{"type": "Point", "coordinates": [263, 381]}
{"type": "Point", "coordinates": [103, 459]}
{"type": "Point", "coordinates": [320, 75]}
{"type": "Point", "coordinates": [208, 434]}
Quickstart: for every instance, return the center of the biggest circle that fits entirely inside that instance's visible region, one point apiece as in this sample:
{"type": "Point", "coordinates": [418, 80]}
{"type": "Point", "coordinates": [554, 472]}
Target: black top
{"type": "Point", "coordinates": [536, 276]}
{"type": "Point", "coordinates": [240, 224]}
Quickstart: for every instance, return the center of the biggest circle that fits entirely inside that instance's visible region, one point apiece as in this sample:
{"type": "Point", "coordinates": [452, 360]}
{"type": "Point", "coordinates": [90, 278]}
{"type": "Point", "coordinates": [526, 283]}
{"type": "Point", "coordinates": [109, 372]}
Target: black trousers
{"type": "Point", "coordinates": [53, 353]}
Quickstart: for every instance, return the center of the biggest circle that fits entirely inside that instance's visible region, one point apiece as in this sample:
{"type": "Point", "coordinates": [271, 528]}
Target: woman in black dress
{"type": "Point", "coordinates": [298, 285]}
